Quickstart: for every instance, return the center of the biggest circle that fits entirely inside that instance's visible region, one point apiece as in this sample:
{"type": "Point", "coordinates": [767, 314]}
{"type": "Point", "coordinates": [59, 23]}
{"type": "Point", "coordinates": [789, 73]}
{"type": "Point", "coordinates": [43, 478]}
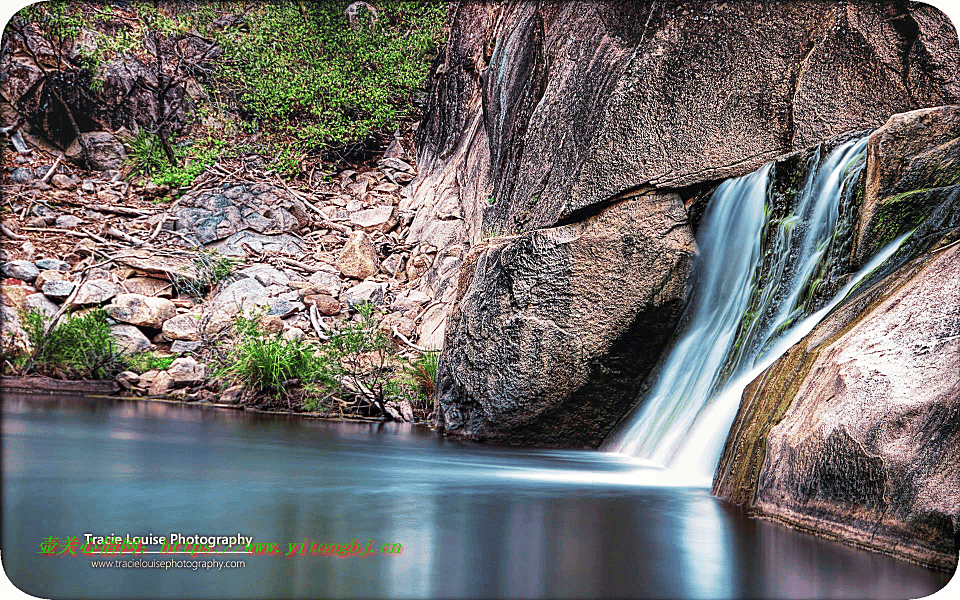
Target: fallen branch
{"type": "Point", "coordinates": [404, 339]}
{"type": "Point", "coordinates": [52, 170]}
{"type": "Point", "coordinates": [12, 235]}
{"type": "Point", "coordinates": [315, 320]}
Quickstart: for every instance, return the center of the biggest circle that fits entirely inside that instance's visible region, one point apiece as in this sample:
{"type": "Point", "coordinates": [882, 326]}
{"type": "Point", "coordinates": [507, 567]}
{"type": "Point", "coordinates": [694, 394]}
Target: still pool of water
{"type": "Point", "coordinates": [473, 520]}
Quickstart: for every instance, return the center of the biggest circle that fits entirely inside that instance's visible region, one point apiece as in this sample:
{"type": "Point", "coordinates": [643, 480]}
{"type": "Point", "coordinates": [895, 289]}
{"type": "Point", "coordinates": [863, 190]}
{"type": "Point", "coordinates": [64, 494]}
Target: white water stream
{"type": "Point", "coordinates": [732, 329]}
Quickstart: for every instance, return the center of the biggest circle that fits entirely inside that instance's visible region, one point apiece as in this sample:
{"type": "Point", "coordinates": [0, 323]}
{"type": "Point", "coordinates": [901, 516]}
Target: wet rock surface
{"type": "Point", "coordinates": [852, 434]}
{"type": "Point", "coordinates": [555, 330]}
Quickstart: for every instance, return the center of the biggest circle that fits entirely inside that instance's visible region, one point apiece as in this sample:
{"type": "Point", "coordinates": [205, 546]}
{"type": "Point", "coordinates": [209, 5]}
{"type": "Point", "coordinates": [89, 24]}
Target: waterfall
{"type": "Point", "coordinates": [760, 282]}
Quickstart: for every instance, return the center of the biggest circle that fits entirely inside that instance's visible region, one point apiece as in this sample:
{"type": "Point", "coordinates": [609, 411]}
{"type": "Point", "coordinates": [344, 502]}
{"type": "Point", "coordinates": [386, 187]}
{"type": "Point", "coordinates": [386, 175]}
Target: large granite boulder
{"type": "Point", "coordinates": [853, 433]}
{"type": "Point", "coordinates": [555, 329]}
{"type": "Point", "coordinates": [912, 178]}
{"type": "Point", "coordinates": [541, 114]}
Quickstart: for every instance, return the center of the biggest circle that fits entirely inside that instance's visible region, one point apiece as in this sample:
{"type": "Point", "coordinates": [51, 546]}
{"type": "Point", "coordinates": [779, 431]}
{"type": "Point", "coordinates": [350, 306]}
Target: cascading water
{"type": "Point", "coordinates": [756, 281]}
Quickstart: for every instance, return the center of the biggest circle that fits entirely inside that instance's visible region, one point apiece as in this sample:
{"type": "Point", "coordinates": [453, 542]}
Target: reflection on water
{"type": "Point", "coordinates": [474, 521]}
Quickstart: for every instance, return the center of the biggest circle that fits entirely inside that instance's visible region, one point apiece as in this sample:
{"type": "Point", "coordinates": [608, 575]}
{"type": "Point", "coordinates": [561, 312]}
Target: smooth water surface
{"type": "Point", "coordinates": [473, 520]}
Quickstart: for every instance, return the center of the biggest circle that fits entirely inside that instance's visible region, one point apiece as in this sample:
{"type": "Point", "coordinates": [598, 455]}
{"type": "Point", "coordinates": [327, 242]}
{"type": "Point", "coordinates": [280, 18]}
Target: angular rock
{"type": "Point", "coordinates": [266, 275]}
{"type": "Point", "coordinates": [183, 347]}
{"type": "Point", "coordinates": [911, 178]}
{"type": "Point", "coordinates": [326, 283]}
{"type": "Point", "coordinates": [105, 151]}
{"type": "Point", "coordinates": [52, 264]}
{"type": "Point", "coordinates": [145, 311]}
{"type": "Point", "coordinates": [22, 175]}
{"type": "Point", "coordinates": [358, 259]}
{"type": "Point", "coordinates": [219, 214]}
{"type": "Point", "coordinates": [327, 305]}
{"type": "Point", "coordinates": [40, 302]}
{"type": "Point", "coordinates": [555, 330]}
{"type": "Point", "coordinates": [853, 433]}
{"type": "Point", "coordinates": [376, 218]}
{"type": "Point", "coordinates": [368, 291]}
{"type": "Point", "coordinates": [148, 286]}
{"type": "Point", "coordinates": [63, 182]}
{"type": "Point", "coordinates": [186, 371]}
{"type": "Point", "coordinates": [58, 289]}
{"type": "Point", "coordinates": [183, 327]}
{"type": "Point", "coordinates": [238, 243]}
{"type": "Point", "coordinates": [240, 295]}
{"type": "Point", "coordinates": [94, 292]}
{"type": "Point", "coordinates": [130, 339]}
{"type": "Point", "coordinates": [160, 384]}
{"type": "Point", "coordinates": [23, 270]}
{"type": "Point", "coordinates": [47, 275]}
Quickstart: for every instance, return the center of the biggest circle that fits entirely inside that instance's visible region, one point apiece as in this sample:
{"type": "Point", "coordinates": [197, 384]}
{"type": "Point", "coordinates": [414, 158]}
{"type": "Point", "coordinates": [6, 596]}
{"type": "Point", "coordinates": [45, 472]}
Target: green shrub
{"type": "Point", "coordinates": [211, 268]}
{"type": "Point", "coordinates": [270, 364]}
{"type": "Point", "coordinates": [148, 361]}
{"type": "Point", "coordinates": [75, 347]}
{"type": "Point", "coordinates": [313, 82]}
{"type": "Point", "coordinates": [423, 372]}
{"type": "Point", "coordinates": [147, 158]}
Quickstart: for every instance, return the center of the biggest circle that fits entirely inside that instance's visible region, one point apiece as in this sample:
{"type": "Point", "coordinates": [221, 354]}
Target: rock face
{"type": "Point", "coordinates": [555, 329]}
{"type": "Point", "coordinates": [853, 433]}
{"type": "Point", "coordinates": [912, 178]}
{"type": "Point", "coordinates": [541, 115]}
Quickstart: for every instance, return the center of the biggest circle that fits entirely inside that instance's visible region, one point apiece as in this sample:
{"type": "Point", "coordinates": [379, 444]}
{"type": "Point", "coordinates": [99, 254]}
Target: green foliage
{"type": "Point", "coordinates": [147, 158]}
{"type": "Point", "coordinates": [269, 363]}
{"type": "Point", "coordinates": [74, 347]}
{"type": "Point", "coordinates": [148, 361]}
{"type": "Point", "coordinates": [423, 371]}
{"type": "Point", "coordinates": [312, 82]}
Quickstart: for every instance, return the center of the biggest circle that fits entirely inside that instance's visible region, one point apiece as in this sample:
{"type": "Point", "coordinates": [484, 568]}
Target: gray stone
{"type": "Point", "coordinates": [22, 175]}
{"type": "Point", "coordinates": [96, 292]}
{"type": "Point", "coordinates": [11, 331]}
{"type": "Point", "coordinates": [368, 291]}
{"type": "Point", "coordinates": [58, 290]}
{"type": "Point", "coordinates": [554, 330]}
{"type": "Point", "coordinates": [23, 270]}
{"type": "Point", "coordinates": [396, 164]}
{"type": "Point", "coordinates": [266, 275]}
{"type": "Point", "coordinates": [240, 295]}
{"type": "Point", "coordinates": [145, 311]}
{"type": "Point", "coordinates": [186, 371]}
{"type": "Point", "coordinates": [183, 347]}
{"type": "Point", "coordinates": [67, 222]}
{"type": "Point", "coordinates": [40, 302]}
{"type": "Point", "coordinates": [52, 264]}
{"type": "Point", "coordinates": [279, 244]}
{"type": "Point", "coordinates": [105, 151]}
{"type": "Point", "coordinates": [130, 338]}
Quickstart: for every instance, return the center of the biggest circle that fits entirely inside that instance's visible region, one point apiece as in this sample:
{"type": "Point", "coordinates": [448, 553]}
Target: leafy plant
{"type": "Point", "coordinates": [211, 268]}
{"type": "Point", "coordinates": [148, 361]}
{"type": "Point", "coordinates": [312, 81]}
{"type": "Point", "coordinates": [423, 371]}
{"type": "Point", "coordinates": [78, 346]}
{"type": "Point", "coordinates": [271, 364]}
